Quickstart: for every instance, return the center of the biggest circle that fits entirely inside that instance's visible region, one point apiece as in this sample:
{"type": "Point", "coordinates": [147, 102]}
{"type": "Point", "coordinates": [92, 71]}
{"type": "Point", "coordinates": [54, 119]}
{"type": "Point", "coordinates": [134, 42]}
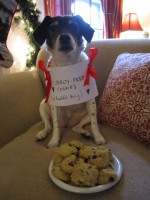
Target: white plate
{"type": "Point", "coordinates": [99, 188]}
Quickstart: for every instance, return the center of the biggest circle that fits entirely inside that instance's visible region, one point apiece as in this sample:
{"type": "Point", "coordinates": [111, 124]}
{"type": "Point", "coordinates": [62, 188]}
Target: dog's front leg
{"type": "Point", "coordinates": [56, 131]}
{"type": "Point", "coordinates": [98, 138]}
{"type": "Point", "coordinates": [45, 115]}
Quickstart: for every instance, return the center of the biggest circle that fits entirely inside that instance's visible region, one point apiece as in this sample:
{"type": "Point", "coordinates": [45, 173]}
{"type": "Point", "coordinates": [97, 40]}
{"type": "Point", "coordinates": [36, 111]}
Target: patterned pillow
{"type": "Point", "coordinates": [125, 102]}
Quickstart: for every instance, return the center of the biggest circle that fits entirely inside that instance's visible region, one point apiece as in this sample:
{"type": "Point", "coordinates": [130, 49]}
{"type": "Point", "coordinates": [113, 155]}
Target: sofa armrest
{"type": "Point", "coordinates": [20, 96]}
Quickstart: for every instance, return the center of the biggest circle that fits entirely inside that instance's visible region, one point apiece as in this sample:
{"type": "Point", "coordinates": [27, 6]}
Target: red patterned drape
{"type": "Point", "coordinates": [112, 18]}
{"type": "Point", "coordinates": [57, 7]}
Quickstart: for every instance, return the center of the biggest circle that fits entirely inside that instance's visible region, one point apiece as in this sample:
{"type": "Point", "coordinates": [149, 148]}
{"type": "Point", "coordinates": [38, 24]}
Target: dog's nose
{"type": "Point", "coordinates": [64, 38]}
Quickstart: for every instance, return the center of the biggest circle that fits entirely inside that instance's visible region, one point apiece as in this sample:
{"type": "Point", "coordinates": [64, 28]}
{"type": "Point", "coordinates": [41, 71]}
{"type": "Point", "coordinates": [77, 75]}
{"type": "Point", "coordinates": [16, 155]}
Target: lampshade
{"type": "Point", "coordinates": [131, 22]}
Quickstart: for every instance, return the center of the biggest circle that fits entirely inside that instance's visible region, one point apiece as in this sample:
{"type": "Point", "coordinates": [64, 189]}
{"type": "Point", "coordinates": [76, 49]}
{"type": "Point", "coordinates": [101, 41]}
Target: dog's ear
{"type": "Point", "coordinates": [40, 34]}
{"type": "Point", "coordinates": [85, 28]}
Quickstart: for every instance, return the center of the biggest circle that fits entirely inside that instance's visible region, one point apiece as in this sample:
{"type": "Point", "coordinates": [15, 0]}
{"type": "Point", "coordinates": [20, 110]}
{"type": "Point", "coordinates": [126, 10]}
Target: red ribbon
{"type": "Point", "coordinates": [91, 70]}
{"type": "Point", "coordinates": [47, 78]}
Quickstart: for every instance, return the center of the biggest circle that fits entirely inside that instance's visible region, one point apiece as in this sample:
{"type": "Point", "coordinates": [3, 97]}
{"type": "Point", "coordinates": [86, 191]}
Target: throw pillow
{"type": "Point", "coordinates": [125, 102]}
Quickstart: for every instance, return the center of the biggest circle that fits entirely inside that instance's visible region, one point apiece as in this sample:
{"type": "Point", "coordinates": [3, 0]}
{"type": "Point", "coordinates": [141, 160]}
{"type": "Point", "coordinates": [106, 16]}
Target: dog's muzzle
{"type": "Point", "coordinates": [64, 38]}
{"type": "Point", "coordinates": [66, 43]}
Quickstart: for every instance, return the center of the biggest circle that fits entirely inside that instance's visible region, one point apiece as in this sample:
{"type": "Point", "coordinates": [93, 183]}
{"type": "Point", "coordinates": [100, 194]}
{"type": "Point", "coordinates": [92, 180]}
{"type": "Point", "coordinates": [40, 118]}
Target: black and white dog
{"type": "Point", "coordinates": [63, 36]}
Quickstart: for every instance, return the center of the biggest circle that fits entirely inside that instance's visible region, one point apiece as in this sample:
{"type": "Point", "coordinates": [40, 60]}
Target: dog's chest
{"type": "Point", "coordinates": [71, 115]}
{"type": "Point", "coordinates": [58, 59]}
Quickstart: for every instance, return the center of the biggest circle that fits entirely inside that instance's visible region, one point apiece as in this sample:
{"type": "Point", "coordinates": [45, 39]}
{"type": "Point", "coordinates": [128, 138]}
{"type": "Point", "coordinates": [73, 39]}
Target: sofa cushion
{"type": "Point", "coordinates": [24, 167]}
{"type": "Point", "coordinates": [125, 102]}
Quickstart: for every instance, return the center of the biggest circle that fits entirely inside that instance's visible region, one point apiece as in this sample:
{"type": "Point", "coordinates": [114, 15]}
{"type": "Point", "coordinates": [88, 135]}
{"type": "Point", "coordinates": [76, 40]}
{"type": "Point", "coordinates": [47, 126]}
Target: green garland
{"type": "Point", "coordinates": [30, 16]}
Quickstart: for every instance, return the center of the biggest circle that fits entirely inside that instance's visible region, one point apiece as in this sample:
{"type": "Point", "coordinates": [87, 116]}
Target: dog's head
{"type": "Point", "coordinates": [63, 34]}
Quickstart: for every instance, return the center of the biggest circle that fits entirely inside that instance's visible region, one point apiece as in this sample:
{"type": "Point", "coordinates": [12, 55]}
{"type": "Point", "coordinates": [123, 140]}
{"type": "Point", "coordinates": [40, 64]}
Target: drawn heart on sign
{"type": "Point", "coordinates": [53, 89]}
{"type": "Point", "coordinates": [88, 91]}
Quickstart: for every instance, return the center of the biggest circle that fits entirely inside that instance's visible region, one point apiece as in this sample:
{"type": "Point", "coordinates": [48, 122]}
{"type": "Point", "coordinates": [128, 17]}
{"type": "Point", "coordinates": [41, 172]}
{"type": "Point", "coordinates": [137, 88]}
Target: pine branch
{"type": "Point", "coordinates": [30, 16]}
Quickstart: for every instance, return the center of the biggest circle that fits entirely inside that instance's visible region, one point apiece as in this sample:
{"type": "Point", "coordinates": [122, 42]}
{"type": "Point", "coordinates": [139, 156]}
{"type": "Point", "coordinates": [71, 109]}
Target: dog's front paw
{"type": "Point", "coordinates": [54, 142]}
{"type": "Point", "coordinates": [42, 135]}
{"type": "Point", "coordinates": [82, 131]}
{"type": "Point", "coordinates": [100, 140]}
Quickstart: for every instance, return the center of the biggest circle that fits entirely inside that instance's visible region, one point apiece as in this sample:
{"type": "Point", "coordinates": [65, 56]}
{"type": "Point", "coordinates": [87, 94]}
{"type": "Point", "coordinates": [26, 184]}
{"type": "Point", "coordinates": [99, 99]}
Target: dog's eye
{"type": "Point", "coordinates": [53, 27]}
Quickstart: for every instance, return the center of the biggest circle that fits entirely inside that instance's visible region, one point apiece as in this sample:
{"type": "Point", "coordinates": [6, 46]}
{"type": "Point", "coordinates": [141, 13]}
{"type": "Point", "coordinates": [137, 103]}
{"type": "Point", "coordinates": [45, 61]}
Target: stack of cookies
{"type": "Point", "coordinates": [82, 165]}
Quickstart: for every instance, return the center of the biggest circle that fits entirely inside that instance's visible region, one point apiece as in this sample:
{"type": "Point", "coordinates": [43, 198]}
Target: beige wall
{"type": "Point", "coordinates": [40, 6]}
{"type": "Point", "coordinates": [142, 8]}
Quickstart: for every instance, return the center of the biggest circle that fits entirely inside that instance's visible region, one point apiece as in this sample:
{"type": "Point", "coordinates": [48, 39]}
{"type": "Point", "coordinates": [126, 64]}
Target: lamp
{"type": "Point", "coordinates": [131, 22]}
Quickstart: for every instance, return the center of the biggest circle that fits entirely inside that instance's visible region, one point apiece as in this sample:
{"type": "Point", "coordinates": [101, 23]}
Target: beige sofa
{"type": "Point", "coordinates": [24, 162]}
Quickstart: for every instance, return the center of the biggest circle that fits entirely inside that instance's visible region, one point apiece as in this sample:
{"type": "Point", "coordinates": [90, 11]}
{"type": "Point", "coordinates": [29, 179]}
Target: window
{"type": "Point", "coordinates": [91, 12]}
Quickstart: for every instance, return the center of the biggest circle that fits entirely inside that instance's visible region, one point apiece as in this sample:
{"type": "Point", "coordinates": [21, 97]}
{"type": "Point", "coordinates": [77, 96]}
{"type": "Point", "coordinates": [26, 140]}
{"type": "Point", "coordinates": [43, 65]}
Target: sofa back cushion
{"type": "Point", "coordinates": [20, 96]}
{"type": "Point", "coordinates": [109, 49]}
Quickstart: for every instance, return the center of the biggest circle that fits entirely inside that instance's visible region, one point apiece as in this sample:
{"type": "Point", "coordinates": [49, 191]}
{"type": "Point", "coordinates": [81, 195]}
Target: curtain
{"type": "Point", "coordinates": [57, 7]}
{"type": "Point", "coordinates": [112, 10]}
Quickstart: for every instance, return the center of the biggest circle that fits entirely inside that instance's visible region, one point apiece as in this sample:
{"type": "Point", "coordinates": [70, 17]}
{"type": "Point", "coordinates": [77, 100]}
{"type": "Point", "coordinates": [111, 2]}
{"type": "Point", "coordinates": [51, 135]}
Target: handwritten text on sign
{"type": "Point", "coordinates": [68, 85]}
